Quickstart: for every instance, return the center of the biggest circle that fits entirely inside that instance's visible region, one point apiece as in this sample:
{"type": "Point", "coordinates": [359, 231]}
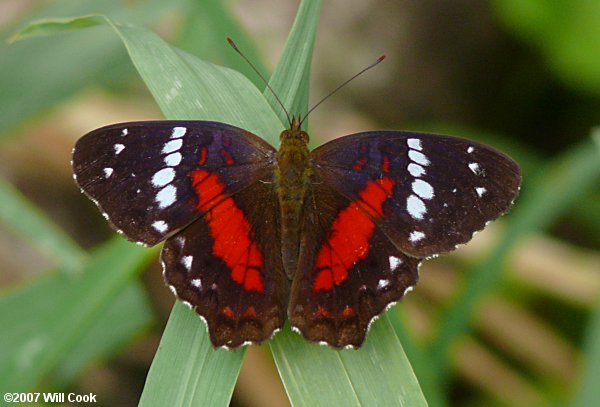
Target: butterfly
{"type": "Point", "coordinates": [328, 238]}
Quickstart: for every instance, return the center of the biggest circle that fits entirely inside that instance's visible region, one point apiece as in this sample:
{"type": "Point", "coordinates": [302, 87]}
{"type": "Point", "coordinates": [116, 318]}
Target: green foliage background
{"type": "Point", "coordinates": [86, 306]}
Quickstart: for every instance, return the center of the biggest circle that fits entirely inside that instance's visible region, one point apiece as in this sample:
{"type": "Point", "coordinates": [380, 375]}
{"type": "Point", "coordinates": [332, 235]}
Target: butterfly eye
{"type": "Point", "coordinates": [304, 137]}
{"type": "Point", "coordinates": [286, 134]}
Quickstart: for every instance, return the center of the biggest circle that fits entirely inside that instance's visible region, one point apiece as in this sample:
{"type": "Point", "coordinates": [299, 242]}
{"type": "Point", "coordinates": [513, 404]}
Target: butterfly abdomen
{"type": "Point", "coordinates": [292, 175]}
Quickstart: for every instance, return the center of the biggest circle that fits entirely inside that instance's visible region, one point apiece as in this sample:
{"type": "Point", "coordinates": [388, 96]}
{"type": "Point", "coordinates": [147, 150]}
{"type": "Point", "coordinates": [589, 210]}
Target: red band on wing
{"type": "Point", "coordinates": [228, 312]}
{"type": "Point", "coordinates": [203, 154]}
{"type": "Point", "coordinates": [230, 231]}
{"type": "Point", "coordinates": [359, 164]}
{"type": "Point", "coordinates": [348, 240]}
{"type": "Point", "coordinates": [322, 313]}
{"type": "Point", "coordinates": [348, 312]}
{"type": "Point", "coordinates": [226, 155]}
{"type": "Point", "coordinates": [385, 167]}
{"type": "Point", "coordinates": [249, 313]}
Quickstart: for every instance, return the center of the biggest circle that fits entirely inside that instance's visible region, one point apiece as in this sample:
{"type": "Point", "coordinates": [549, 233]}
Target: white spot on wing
{"type": "Point", "coordinates": [124, 132]}
{"type": "Point", "coordinates": [395, 262]}
{"type": "Point", "coordinates": [383, 284]}
{"type": "Point", "coordinates": [173, 159]}
{"type": "Point", "coordinates": [416, 170]}
{"type": "Point", "coordinates": [423, 189]}
{"type": "Point", "coordinates": [160, 226]}
{"type": "Point", "coordinates": [418, 157]}
{"type": "Point", "coordinates": [416, 236]}
{"type": "Point", "coordinates": [172, 145]}
{"type": "Point", "coordinates": [414, 143]}
{"type": "Point", "coordinates": [470, 149]}
{"type": "Point", "coordinates": [108, 172]}
{"type": "Point", "coordinates": [480, 191]}
{"type": "Point", "coordinates": [474, 167]}
{"type": "Point", "coordinates": [163, 177]}
{"type": "Point", "coordinates": [197, 283]}
{"type": "Point", "coordinates": [180, 240]}
{"type": "Point", "coordinates": [178, 132]}
{"type": "Point", "coordinates": [118, 148]}
{"type": "Point", "coordinates": [415, 207]}
{"type": "Point", "coordinates": [187, 262]}
{"type": "Point", "coordinates": [166, 196]}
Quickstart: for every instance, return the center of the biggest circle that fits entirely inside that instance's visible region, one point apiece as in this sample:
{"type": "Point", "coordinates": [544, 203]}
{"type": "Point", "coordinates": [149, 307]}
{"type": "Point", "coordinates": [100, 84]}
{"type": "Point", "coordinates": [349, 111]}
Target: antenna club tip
{"type": "Point", "coordinates": [230, 41]}
{"type": "Point", "coordinates": [381, 58]}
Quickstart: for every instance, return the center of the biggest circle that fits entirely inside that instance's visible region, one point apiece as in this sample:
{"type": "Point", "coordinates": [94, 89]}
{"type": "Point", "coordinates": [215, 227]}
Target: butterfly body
{"type": "Point", "coordinates": [327, 238]}
{"type": "Point", "coordinates": [292, 178]}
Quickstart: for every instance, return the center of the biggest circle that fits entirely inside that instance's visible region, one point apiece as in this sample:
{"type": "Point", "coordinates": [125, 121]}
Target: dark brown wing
{"type": "Point", "coordinates": [227, 266]}
{"type": "Point", "coordinates": [207, 188]}
{"type": "Point", "coordinates": [379, 203]}
{"type": "Point", "coordinates": [348, 270]}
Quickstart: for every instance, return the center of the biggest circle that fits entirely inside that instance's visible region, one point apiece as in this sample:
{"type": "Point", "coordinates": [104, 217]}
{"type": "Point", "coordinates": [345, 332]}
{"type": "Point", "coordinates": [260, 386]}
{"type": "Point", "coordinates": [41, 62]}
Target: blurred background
{"type": "Point", "coordinates": [523, 76]}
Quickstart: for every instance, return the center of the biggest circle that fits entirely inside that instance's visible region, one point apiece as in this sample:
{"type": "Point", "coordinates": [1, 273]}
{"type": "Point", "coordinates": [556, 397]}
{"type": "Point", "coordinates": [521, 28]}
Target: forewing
{"type": "Point", "coordinates": [139, 173]}
{"type": "Point", "coordinates": [444, 188]}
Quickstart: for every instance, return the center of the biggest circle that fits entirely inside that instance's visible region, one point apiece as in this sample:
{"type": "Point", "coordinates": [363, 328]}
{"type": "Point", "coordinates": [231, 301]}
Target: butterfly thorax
{"type": "Point", "coordinates": [292, 177]}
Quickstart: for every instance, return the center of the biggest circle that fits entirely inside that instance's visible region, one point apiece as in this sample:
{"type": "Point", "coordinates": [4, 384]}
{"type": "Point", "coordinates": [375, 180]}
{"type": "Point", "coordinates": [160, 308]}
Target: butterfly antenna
{"type": "Point", "coordinates": [230, 41]}
{"type": "Point", "coordinates": [381, 58]}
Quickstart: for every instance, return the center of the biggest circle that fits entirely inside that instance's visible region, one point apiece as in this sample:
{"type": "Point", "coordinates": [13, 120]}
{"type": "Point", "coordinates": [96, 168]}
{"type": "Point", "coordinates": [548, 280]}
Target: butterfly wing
{"type": "Point", "coordinates": [138, 173]}
{"type": "Point", "coordinates": [382, 201]}
{"type": "Point", "coordinates": [227, 266]}
{"type": "Point", "coordinates": [348, 270]}
{"type": "Point", "coordinates": [445, 188]}
{"type": "Point", "coordinates": [195, 184]}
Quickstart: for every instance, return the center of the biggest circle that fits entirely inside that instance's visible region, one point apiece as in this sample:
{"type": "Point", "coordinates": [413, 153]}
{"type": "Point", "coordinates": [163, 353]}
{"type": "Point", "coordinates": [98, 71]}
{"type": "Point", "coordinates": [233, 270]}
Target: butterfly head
{"type": "Point", "coordinates": [294, 133]}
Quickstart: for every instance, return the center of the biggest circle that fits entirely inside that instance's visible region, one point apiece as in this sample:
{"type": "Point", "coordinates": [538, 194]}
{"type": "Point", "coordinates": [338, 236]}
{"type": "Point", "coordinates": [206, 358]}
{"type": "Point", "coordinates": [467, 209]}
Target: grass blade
{"type": "Point", "coordinates": [23, 217]}
{"type": "Point", "coordinates": [207, 24]}
{"type": "Point", "coordinates": [187, 371]}
{"type": "Point", "coordinates": [52, 325]}
{"type": "Point", "coordinates": [118, 322]}
{"type": "Point", "coordinates": [35, 76]}
{"type": "Point", "coordinates": [589, 393]}
{"type": "Point", "coordinates": [291, 77]}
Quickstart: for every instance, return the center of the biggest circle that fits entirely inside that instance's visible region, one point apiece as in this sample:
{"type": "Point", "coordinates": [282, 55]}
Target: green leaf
{"type": "Point", "coordinates": [187, 371]}
{"type": "Point", "coordinates": [44, 328]}
{"type": "Point", "coordinates": [420, 361]}
{"type": "Point", "coordinates": [35, 76]}
{"type": "Point", "coordinates": [207, 24]}
{"type": "Point", "coordinates": [562, 183]}
{"type": "Point", "coordinates": [23, 217]}
{"type": "Point", "coordinates": [118, 322]}
{"type": "Point", "coordinates": [291, 77]}
{"type": "Point", "coordinates": [589, 393]}
{"type": "Point", "coordinates": [29, 309]}
{"type": "Point", "coordinates": [565, 33]}
{"type": "Point", "coordinates": [377, 374]}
